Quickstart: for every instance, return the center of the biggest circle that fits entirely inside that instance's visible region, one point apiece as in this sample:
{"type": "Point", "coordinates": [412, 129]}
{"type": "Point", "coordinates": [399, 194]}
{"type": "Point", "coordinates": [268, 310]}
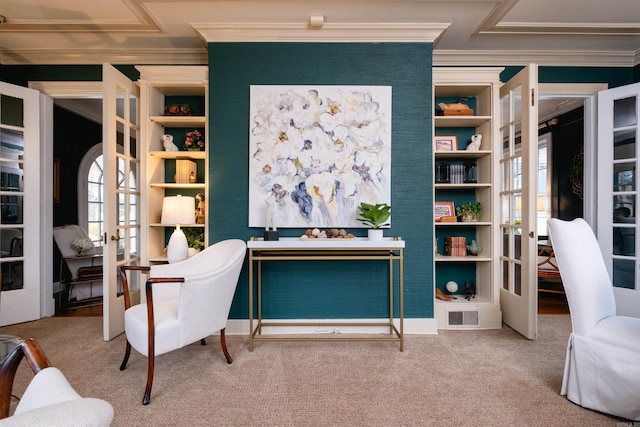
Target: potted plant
{"type": "Point", "coordinates": [469, 211]}
{"type": "Point", "coordinates": [374, 216]}
{"type": "Point", "coordinates": [195, 239]}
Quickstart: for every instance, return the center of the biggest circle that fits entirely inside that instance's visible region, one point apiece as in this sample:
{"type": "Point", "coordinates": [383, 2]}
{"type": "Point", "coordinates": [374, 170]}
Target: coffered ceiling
{"type": "Point", "coordinates": [464, 32]}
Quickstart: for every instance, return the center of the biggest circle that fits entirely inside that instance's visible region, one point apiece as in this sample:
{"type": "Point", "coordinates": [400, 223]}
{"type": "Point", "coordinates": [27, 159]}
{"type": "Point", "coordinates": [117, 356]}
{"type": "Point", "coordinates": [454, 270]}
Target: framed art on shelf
{"type": "Point", "coordinates": [443, 210]}
{"type": "Point", "coordinates": [446, 142]}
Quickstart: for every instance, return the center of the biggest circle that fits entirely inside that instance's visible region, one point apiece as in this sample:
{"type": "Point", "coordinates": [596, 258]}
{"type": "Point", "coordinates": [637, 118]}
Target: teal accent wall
{"type": "Point", "coordinates": [21, 75]}
{"type": "Point", "coordinates": [613, 76]}
{"type": "Point", "coordinates": [327, 289]}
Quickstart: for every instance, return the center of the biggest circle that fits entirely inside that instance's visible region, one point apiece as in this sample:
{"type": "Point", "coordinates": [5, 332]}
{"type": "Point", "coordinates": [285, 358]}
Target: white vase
{"type": "Point", "coordinates": [375, 235]}
{"type": "Point", "coordinates": [178, 248]}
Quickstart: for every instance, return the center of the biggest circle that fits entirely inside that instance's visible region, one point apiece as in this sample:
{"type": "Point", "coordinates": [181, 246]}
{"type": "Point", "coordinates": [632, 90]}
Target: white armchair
{"type": "Point", "coordinates": [49, 400]}
{"type": "Point", "coordinates": [185, 302]}
{"type": "Point", "coordinates": [602, 366]}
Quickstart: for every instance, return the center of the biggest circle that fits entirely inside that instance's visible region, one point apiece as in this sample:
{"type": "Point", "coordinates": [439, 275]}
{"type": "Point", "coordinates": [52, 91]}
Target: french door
{"type": "Point", "coordinates": [121, 209]}
{"type": "Point", "coordinates": [618, 226]}
{"type": "Point", "coordinates": [518, 172]}
{"type": "Point", "coordinates": [20, 204]}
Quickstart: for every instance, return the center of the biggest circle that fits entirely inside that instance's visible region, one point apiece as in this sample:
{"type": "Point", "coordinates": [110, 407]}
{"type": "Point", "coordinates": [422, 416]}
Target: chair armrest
{"type": "Point", "coordinates": [151, 322]}
{"type": "Point", "coordinates": [36, 358]}
{"type": "Point", "coordinates": [125, 282]}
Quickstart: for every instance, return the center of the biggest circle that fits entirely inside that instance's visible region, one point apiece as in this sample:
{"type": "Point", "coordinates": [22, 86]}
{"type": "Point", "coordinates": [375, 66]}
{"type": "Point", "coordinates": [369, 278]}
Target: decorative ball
{"type": "Point", "coordinates": [451, 286]}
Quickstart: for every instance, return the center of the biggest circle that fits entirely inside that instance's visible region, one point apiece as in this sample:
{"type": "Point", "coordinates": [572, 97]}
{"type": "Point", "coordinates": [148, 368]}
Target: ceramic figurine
{"type": "Point", "coordinates": [474, 145]}
{"type": "Point", "coordinates": [167, 141]}
{"type": "Point", "coordinates": [474, 248]}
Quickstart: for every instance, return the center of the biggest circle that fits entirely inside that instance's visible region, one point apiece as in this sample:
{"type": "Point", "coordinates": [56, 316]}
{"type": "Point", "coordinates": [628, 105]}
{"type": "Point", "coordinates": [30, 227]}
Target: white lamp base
{"type": "Point", "coordinates": [178, 248]}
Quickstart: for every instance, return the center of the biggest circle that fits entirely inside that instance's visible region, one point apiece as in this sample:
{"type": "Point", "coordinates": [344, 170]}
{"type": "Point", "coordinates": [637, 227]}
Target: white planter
{"type": "Point", "coordinates": [375, 235]}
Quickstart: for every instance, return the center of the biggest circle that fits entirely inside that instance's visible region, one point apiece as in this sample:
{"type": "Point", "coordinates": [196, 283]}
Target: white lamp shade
{"type": "Point", "coordinates": [178, 210]}
{"type": "Point", "coordinates": [178, 248]}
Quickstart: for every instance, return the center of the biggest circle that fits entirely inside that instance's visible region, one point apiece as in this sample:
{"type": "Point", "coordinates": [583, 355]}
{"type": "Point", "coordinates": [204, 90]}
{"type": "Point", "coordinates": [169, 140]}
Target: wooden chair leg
{"type": "Point", "coordinates": [223, 341]}
{"type": "Point", "coordinates": [127, 353]}
{"type": "Point", "coordinates": [147, 390]}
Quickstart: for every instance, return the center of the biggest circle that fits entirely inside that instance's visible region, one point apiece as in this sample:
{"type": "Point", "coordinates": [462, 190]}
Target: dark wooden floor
{"type": "Point", "coordinates": [548, 303]}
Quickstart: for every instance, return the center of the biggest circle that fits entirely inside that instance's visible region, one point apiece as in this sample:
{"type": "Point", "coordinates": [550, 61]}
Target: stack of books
{"type": "Point", "coordinates": [455, 246]}
{"type": "Point", "coordinates": [456, 174]}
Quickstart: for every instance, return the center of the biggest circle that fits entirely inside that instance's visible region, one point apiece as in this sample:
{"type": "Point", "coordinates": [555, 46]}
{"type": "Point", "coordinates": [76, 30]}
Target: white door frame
{"type": "Point", "coordinates": [53, 90]}
{"type": "Point", "coordinates": [588, 92]}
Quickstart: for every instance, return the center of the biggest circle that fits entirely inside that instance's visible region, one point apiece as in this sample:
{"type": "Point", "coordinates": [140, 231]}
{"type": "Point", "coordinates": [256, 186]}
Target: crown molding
{"type": "Point", "coordinates": [494, 24]}
{"type": "Point", "coordinates": [69, 90]}
{"type": "Point", "coordinates": [544, 58]}
{"type": "Point", "coordinates": [564, 28]}
{"type": "Point", "coordinates": [328, 32]}
{"type": "Point", "coordinates": [90, 56]}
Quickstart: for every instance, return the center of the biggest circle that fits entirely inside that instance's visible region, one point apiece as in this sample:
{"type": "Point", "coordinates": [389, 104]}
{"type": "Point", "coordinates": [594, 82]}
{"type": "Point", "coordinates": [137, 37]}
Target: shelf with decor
{"type": "Point", "coordinates": [174, 128]}
{"type": "Point", "coordinates": [466, 102]}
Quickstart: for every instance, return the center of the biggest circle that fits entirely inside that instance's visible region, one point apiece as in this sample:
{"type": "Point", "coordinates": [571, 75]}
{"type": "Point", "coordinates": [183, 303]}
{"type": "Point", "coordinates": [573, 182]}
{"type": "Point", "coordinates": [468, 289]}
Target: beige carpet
{"type": "Point", "coordinates": [456, 378]}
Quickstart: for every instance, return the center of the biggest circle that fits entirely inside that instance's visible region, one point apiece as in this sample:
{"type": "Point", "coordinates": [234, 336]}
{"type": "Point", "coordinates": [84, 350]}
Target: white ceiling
{"type": "Point", "coordinates": [464, 32]}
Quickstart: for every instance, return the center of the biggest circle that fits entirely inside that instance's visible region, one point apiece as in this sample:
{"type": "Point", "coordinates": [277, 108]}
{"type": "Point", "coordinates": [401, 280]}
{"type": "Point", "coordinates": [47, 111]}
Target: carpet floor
{"type": "Point", "coordinates": [455, 378]}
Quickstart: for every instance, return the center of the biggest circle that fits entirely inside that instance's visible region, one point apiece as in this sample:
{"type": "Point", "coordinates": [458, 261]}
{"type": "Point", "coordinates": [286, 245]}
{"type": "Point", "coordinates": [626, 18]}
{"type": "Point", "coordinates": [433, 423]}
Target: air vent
{"type": "Point", "coordinates": [463, 318]}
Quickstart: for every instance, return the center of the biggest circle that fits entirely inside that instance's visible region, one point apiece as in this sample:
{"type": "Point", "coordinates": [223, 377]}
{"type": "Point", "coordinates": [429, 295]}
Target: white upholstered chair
{"type": "Point", "coordinates": [602, 366]}
{"type": "Point", "coordinates": [49, 399]}
{"type": "Point", "coordinates": [185, 302]}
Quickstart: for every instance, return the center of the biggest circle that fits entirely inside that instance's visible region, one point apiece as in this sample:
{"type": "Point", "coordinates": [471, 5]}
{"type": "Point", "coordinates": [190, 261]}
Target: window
{"type": "Point", "coordinates": [90, 199]}
{"type": "Point", "coordinates": [544, 184]}
{"type": "Point", "coordinates": [90, 193]}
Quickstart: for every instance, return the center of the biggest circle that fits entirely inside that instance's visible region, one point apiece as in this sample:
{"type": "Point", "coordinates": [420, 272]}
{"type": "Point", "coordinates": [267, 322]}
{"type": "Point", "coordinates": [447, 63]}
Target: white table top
{"type": "Point", "coordinates": [334, 243]}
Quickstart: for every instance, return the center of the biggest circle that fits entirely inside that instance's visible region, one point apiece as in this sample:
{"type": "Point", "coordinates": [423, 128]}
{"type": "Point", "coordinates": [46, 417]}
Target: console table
{"type": "Point", "coordinates": [296, 249]}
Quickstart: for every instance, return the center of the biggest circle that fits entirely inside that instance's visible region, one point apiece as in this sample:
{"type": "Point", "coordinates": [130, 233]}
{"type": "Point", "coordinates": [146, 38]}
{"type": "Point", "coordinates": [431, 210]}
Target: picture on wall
{"type": "Point", "coordinates": [316, 153]}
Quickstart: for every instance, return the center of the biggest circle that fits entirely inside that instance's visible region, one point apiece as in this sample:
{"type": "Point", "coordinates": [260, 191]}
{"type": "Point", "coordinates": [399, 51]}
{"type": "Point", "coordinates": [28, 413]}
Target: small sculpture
{"type": "Point", "coordinates": [469, 290]}
{"type": "Point", "coordinates": [474, 248]}
{"type": "Point", "coordinates": [442, 296]}
{"type": "Point", "coordinates": [451, 286]}
{"type": "Point", "coordinates": [270, 229]}
{"type": "Point", "coordinates": [200, 210]}
{"type": "Point", "coordinates": [167, 141]}
{"type": "Point", "coordinates": [474, 145]}
{"type": "Point", "coordinates": [270, 214]}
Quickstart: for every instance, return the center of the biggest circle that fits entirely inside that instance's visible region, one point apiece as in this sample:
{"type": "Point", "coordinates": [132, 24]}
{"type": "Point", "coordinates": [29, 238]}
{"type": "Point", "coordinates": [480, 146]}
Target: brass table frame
{"type": "Point", "coordinates": [294, 249]}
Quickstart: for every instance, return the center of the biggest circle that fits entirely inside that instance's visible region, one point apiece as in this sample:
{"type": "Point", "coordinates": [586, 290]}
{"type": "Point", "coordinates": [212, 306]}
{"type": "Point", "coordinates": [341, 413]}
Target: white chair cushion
{"type": "Point", "coordinates": [619, 331]}
{"type": "Point", "coordinates": [167, 326]}
{"type": "Point", "coordinates": [50, 400]}
{"type": "Point", "coordinates": [83, 412]}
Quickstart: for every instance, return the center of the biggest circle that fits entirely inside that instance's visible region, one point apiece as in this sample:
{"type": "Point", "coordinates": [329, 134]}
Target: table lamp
{"type": "Point", "coordinates": [178, 210]}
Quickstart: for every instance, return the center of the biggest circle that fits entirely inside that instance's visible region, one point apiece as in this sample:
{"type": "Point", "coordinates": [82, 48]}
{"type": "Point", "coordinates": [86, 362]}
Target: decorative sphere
{"type": "Point", "coordinates": [451, 286]}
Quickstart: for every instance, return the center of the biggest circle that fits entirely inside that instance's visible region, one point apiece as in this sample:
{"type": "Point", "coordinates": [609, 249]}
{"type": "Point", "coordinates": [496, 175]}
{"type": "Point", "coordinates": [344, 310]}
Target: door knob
{"type": "Point", "coordinates": [116, 238]}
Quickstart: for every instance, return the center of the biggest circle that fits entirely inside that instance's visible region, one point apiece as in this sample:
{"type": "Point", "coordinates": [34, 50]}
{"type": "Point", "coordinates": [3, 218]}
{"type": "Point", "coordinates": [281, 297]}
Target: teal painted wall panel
{"type": "Point", "coordinates": [21, 75]}
{"type": "Point", "coordinates": [613, 76]}
{"type": "Point", "coordinates": [327, 289]}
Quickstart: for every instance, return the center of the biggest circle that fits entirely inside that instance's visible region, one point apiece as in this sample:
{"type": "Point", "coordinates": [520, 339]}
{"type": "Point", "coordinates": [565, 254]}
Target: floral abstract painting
{"type": "Point", "coordinates": [316, 152]}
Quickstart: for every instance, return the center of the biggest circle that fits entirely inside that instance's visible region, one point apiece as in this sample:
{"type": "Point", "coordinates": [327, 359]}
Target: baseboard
{"type": "Point", "coordinates": [418, 326]}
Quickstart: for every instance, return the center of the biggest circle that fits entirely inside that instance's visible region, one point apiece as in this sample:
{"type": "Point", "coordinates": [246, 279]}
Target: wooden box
{"type": "Point", "coordinates": [458, 112]}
